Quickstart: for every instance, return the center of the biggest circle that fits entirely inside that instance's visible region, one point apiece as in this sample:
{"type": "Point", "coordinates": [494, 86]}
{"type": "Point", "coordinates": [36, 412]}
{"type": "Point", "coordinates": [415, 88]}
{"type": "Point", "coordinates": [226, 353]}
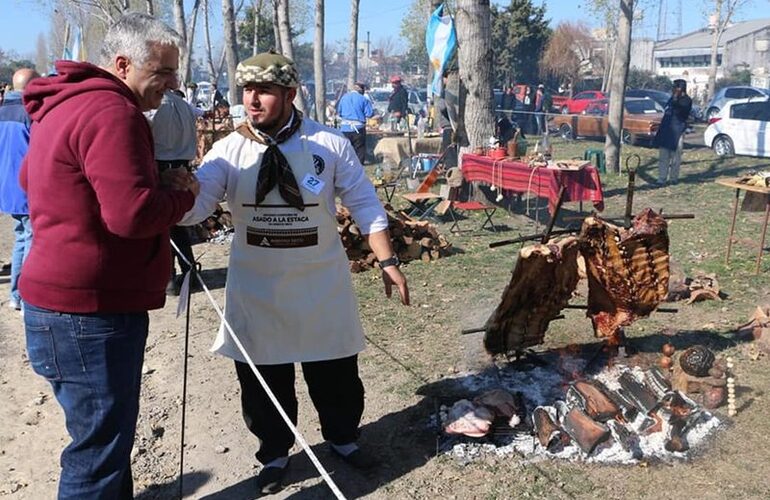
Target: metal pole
{"type": "Point", "coordinates": [732, 226]}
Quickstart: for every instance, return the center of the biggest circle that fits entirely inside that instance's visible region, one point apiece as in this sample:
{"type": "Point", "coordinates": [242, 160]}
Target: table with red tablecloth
{"type": "Point", "coordinates": [579, 185]}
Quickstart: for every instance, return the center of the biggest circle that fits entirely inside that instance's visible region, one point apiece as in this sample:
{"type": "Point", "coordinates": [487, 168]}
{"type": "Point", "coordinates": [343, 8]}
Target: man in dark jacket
{"type": "Point", "coordinates": [398, 102]}
{"type": "Point", "coordinates": [670, 136]}
{"type": "Point", "coordinates": [14, 141]}
{"type": "Point", "coordinates": [101, 256]}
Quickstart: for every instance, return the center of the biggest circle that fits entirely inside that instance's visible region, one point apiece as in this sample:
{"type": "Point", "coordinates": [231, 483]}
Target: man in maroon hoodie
{"type": "Point", "coordinates": [101, 215]}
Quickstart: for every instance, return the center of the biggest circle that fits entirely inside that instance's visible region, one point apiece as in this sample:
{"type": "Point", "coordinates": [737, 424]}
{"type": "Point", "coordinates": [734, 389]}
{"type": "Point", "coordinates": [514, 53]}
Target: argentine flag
{"type": "Point", "coordinates": [441, 41]}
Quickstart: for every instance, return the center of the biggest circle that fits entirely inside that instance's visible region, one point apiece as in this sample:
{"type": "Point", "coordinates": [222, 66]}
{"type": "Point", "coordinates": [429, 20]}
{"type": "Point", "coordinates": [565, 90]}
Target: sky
{"type": "Point", "coordinates": [22, 20]}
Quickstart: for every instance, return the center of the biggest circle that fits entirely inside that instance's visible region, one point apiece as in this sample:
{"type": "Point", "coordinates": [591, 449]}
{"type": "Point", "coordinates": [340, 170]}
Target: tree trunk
{"type": "Point", "coordinates": [475, 62]}
{"type": "Point", "coordinates": [276, 29]}
{"type": "Point", "coordinates": [318, 63]}
{"type": "Point", "coordinates": [353, 48]}
{"type": "Point", "coordinates": [713, 66]}
{"type": "Point", "coordinates": [187, 58]}
{"type": "Point", "coordinates": [618, 85]}
{"type": "Point", "coordinates": [150, 7]}
{"type": "Point", "coordinates": [187, 37]}
{"type": "Point", "coordinates": [231, 49]}
{"type": "Point", "coordinates": [213, 73]}
{"type": "Point", "coordinates": [257, 19]}
{"type": "Point", "coordinates": [284, 27]}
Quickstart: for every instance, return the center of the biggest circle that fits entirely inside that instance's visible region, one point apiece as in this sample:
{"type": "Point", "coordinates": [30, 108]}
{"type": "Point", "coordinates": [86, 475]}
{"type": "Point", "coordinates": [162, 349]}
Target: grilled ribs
{"type": "Point", "coordinates": [627, 271]}
{"type": "Point", "coordinates": [541, 285]}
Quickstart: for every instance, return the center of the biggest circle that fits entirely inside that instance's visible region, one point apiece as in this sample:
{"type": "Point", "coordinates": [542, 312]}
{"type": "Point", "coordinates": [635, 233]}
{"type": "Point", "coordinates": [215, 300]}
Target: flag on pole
{"type": "Point", "coordinates": [441, 42]}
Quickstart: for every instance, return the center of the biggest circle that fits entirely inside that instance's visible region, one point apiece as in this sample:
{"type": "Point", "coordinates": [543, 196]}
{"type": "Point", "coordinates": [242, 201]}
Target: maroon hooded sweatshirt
{"type": "Point", "coordinates": [99, 217]}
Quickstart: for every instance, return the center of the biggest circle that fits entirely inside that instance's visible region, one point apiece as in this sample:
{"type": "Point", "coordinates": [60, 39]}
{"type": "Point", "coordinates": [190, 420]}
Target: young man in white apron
{"type": "Point", "coordinates": [289, 296]}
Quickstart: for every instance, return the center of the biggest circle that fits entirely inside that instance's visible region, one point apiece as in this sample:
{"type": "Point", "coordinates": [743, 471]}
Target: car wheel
{"type": "Point", "coordinates": [723, 146]}
{"type": "Point", "coordinates": [627, 137]}
{"type": "Point", "coordinates": [564, 110]}
{"type": "Point", "coordinates": [711, 113]}
{"type": "Point", "coordinates": [565, 131]}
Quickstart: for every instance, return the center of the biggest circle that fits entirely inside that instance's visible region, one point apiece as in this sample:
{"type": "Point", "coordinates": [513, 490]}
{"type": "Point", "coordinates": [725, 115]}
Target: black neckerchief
{"type": "Point", "coordinates": [275, 169]}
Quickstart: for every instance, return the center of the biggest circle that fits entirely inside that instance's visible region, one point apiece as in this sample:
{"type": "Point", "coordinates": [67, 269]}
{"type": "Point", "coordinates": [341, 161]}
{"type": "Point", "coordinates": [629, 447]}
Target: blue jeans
{"type": "Point", "coordinates": [22, 230]}
{"type": "Point", "coordinates": [94, 364]}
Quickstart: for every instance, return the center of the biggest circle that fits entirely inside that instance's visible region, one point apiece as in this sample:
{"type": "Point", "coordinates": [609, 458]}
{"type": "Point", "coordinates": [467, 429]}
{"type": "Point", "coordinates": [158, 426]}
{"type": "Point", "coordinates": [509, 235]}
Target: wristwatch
{"type": "Point", "coordinates": [393, 261]}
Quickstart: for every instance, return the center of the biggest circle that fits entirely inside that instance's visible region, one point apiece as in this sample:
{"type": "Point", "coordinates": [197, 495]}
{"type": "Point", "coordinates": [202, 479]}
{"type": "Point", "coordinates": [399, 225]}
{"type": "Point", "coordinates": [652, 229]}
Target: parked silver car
{"type": "Point", "coordinates": [727, 94]}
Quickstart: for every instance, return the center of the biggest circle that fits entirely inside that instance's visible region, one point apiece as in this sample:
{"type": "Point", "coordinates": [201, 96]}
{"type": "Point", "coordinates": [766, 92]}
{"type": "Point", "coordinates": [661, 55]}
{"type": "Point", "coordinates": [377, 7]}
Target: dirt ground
{"type": "Point", "coordinates": [411, 354]}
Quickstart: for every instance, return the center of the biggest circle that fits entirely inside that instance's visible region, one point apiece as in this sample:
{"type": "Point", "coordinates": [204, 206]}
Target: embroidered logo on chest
{"type": "Point", "coordinates": [318, 164]}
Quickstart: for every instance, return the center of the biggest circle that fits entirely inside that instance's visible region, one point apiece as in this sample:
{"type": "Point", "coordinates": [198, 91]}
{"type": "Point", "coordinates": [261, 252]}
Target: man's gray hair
{"type": "Point", "coordinates": [133, 35]}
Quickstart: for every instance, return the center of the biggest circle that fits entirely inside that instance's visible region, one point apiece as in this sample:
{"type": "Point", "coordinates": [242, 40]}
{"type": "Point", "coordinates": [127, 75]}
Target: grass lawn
{"type": "Point", "coordinates": [414, 348]}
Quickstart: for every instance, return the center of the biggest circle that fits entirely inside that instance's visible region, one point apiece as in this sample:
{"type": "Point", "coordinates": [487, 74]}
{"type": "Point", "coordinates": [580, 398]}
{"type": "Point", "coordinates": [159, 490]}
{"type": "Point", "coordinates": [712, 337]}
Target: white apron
{"type": "Point", "coordinates": [289, 297]}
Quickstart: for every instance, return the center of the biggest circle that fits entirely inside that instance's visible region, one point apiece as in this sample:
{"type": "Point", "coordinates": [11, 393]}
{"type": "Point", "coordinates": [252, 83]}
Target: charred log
{"type": "Point", "coordinates": [550, 435]}
{"type": "Point", "coordinates": [592, 400]}
{"type": "Point", "coordinates": [587, 433]}
{"type": "Point", "coordinates": [639, 394]}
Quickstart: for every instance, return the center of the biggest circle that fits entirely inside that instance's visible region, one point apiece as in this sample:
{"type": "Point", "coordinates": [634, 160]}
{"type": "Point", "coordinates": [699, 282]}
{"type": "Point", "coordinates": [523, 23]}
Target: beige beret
{"type": "Point", "coordinates": [267, 67]}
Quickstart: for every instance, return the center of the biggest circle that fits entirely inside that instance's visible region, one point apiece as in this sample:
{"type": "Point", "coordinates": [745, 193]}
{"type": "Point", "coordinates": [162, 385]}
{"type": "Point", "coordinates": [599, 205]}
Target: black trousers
{"type": "Point", "coordinates": [358, 140]}
{"type": "Point", "coordinates": [335, 389]}
{"type": "Point", "coordinates": [181, 238]}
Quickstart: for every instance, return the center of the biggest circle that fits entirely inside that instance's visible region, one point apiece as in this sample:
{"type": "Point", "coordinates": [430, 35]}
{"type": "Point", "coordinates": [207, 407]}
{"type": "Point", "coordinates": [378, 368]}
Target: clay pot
{"type": "Point", "coordinates": [668, 350]}
{"type": "Point", "coordinates": [666, 362]}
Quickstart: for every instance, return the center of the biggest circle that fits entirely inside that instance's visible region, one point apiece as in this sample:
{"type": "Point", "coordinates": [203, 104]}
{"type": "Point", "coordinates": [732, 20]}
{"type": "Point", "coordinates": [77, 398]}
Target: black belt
{"type": "Point", "coordinates": [164, 165]}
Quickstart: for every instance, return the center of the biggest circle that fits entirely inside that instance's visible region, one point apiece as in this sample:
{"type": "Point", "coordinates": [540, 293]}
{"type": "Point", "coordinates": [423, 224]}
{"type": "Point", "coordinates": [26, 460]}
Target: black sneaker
{"type": "Point", "coordinates": [358, 459]}
{"type": "Point", "coordinates": [270, 480]}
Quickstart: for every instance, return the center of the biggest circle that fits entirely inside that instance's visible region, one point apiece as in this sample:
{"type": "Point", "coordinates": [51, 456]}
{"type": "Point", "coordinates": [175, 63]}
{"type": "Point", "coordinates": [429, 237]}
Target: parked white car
{"type": "Point", "coordinates": [742, 127]}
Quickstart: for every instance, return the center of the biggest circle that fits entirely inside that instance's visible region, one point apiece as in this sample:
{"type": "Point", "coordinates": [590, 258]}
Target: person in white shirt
{"type": "Point", "coordinates": [289, 295]}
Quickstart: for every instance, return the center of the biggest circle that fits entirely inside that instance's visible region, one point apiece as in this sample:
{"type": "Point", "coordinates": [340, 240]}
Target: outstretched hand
{"type": "Point", "coordinates": [392, 275]}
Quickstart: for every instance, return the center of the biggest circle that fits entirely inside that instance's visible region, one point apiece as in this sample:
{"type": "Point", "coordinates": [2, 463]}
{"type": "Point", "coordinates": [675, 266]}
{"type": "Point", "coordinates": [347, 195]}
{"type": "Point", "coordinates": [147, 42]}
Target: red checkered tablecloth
{"type": "Point", "coordinates": [581, 185]}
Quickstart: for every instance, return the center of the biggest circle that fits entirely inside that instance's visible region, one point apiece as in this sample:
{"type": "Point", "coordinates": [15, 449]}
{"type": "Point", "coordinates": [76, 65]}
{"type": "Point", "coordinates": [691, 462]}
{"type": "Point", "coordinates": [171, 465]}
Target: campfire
{"type": "Point", "coordinates": [605, 405]}
{"type": "Point", "coordinates": [624, 413]}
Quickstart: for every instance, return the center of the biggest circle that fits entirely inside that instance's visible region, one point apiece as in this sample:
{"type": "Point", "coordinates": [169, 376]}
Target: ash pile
{"type": "Point", "coordinates": [623, 414]}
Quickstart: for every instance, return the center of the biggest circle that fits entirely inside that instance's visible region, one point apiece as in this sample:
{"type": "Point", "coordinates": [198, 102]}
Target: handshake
{"type": "Point", "coordinates": [180, 179]}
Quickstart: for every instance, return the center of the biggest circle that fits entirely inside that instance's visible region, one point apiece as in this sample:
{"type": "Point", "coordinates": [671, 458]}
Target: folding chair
{"type": "Point", "coordinates": [454, 182]}
{"type": "Point", "coordinates": [422, 201]}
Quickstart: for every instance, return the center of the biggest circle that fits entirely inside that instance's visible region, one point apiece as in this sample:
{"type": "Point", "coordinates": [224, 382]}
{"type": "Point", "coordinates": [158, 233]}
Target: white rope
{"type": "Point", "coordinates": [529, 185]}
{"type": "Point", "coordinates": [321, 470]}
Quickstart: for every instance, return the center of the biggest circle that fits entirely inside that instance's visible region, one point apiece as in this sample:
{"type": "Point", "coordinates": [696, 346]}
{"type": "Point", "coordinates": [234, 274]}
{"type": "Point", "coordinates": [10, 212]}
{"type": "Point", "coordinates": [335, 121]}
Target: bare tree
{"type": "Point", "coordinates": [318, 63]}
{"type": "Point", "coordinates": [718, 22]}
{"type": "Point", "coordinates": [187, 36]}
{"type": "Point", "coordinates": [353, 47]}
{"type": "Point", "coordinates": [475, 62]}
{"type": "Point", "coordinates": [257, 4]}
{"type": "Point", "coordinates": [41, 55]}
{"type": "Point", "coordinates": [284, 28]}
{"type": "Point", "coordinates": [213, 73]}
{"type": "Point", "coordinates": [276, 29]}
{"type": "Point", "coordinates": [567, 52]}
{"type": "Point", "coordinates": [622, 58]}
{"type": "Point", "coordinates": [231, 49]}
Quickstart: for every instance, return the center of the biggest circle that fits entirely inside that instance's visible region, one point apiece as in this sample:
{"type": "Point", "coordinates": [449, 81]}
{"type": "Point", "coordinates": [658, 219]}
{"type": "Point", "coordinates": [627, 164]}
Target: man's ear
{"type": "Point", "coordinates": [122, 65]}
{"type": "Point", "coordinates": [291, 94]}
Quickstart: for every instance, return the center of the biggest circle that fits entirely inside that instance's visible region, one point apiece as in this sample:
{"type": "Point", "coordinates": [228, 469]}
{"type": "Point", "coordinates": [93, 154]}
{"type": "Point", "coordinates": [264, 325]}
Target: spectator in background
{"type": "Point", "coordinates": [539, 109]}
{"type": "Point", "coordinates": [174, 132]}
{"type": "Point", "coordinates": [353, 110]}
{"type": "Point", "coordinates": [398, 102]}
{"type": "Point", "coordinates": [14, 142]}
{"type": "Point", "coordinates": [670, 135]}
{"type": "Point", "coordinates": [191, 93]}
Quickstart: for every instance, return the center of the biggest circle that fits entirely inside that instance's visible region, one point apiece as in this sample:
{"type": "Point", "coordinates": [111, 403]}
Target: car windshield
{"type": "Point", "coordinates": [643, 106]}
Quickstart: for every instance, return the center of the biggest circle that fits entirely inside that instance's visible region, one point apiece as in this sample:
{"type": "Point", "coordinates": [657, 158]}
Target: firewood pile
{"type": "Point", "coordinates": [411, 240]}
{"type": "Point", "coordinates": [216, 225]}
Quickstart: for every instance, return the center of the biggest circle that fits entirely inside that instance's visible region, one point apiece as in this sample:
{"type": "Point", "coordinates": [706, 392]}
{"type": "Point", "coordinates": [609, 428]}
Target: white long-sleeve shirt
{"type": "Point", "coordinates": [335, 163]}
